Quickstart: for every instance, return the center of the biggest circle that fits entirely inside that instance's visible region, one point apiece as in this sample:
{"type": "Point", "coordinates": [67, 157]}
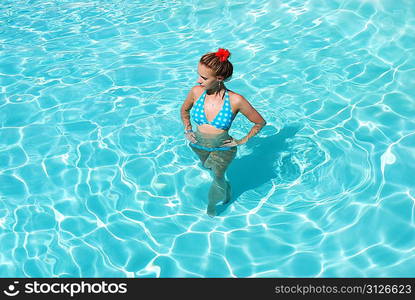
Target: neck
{"type": "Point", "coordinates": [214, 90]}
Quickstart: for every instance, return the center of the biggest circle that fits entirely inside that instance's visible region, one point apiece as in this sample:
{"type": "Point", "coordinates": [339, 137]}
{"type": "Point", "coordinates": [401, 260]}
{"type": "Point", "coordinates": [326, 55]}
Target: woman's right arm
{"type": "Point", "coordinates": [185, 110]}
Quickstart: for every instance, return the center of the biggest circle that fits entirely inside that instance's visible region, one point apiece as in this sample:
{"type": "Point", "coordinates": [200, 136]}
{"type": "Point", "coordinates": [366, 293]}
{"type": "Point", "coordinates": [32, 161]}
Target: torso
{"type": "Point", "coordinates": [213, 104]}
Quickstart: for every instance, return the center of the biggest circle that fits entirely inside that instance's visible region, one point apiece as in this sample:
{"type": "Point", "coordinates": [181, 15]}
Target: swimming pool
{"type": "Point", "coordinates": [97, 179]}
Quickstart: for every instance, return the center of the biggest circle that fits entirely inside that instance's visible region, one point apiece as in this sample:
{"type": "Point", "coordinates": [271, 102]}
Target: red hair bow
{"type": "Point", "coordinates": [223, 54]}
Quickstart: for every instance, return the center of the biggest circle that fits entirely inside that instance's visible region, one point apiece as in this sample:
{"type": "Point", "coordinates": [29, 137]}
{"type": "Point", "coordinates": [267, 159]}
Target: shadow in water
{"type": "Point", "coordinates": [257, 168]}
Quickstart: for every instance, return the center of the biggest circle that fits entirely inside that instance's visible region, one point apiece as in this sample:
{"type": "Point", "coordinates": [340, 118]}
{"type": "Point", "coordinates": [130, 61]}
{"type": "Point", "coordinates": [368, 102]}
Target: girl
{"type": "Point", "coordinates": [213, 107]}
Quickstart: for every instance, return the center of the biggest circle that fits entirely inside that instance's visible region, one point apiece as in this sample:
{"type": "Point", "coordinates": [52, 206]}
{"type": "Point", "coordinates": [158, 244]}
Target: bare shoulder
{"type": "Point", "coordinates": [197, 90]}
{"type": "Point", "coordinates": [237, 100]}
{"type": "Point", "coordinates": [242, 105]}
{"type": "Point", "coordinates": [191, 98]}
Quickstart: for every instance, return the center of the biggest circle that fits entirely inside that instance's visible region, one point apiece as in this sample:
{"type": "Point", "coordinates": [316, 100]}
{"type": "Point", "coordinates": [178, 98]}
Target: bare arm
{"type": "Point", "coordinates": [185, 110]}
{"type": "Point", "coordinates": [252, 115]}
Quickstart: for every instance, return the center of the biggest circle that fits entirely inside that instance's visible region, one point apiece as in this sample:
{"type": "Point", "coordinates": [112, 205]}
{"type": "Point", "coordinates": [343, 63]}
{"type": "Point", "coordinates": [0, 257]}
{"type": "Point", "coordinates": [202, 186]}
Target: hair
{"type": "Point", "coordinates": [220, 68]}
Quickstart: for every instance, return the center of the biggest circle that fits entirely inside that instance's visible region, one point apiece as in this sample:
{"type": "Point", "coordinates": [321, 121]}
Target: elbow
{"type": "Point", "coordinates": [262, 124]}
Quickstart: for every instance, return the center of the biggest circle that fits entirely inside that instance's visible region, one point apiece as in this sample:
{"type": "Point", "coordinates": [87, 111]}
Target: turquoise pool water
{"type": "Point", "coordinates": [97, 180]}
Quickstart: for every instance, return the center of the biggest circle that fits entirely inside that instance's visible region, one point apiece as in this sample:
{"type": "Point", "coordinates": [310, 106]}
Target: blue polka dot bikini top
{"type": "Point", "coordinates": [223, 119]}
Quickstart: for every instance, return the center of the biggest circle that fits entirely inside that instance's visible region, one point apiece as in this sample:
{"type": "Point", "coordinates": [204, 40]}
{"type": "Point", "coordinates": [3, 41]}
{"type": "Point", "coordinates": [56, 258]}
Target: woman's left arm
{"type": "Point", "coordinates": [252, 115]}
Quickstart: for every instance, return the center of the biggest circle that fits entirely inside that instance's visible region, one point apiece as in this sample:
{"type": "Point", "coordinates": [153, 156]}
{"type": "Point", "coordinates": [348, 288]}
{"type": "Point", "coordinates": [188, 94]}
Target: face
{"type": "Point", "coordinates": [207, 78]}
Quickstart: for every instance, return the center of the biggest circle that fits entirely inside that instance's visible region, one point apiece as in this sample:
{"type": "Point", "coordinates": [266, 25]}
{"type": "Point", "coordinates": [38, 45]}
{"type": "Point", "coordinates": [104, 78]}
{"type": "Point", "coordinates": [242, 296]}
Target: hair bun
{"type": "Point", "coordinates": [223, 54]}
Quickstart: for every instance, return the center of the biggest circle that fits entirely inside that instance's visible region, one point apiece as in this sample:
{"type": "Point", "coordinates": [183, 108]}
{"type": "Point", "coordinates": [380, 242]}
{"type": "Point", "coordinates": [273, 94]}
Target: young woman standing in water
{"type": "Point", "coordinates": [213, 107]}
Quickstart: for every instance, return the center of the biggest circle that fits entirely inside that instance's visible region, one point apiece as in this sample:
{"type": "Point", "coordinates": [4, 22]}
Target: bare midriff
{"type": "Point", "coordinates": [209, 129]}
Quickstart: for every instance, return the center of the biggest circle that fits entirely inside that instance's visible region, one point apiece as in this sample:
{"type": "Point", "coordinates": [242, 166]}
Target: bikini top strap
{"type": "Point", "coordinates": [203, 96]}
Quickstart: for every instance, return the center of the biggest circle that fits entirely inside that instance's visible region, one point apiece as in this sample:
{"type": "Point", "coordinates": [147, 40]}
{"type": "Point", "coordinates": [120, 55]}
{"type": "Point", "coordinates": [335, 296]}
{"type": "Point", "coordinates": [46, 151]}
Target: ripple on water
{"type": "Point", "coordinates": [13, 189]}
{"type": "Point", "coordinates": [305, 265]}
{"type": "Point", "coordinates": [97, 178]}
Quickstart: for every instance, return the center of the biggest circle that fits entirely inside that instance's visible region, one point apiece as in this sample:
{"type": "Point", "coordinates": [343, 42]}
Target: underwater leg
{"type": "Point", "coordinates": [219, 161]}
